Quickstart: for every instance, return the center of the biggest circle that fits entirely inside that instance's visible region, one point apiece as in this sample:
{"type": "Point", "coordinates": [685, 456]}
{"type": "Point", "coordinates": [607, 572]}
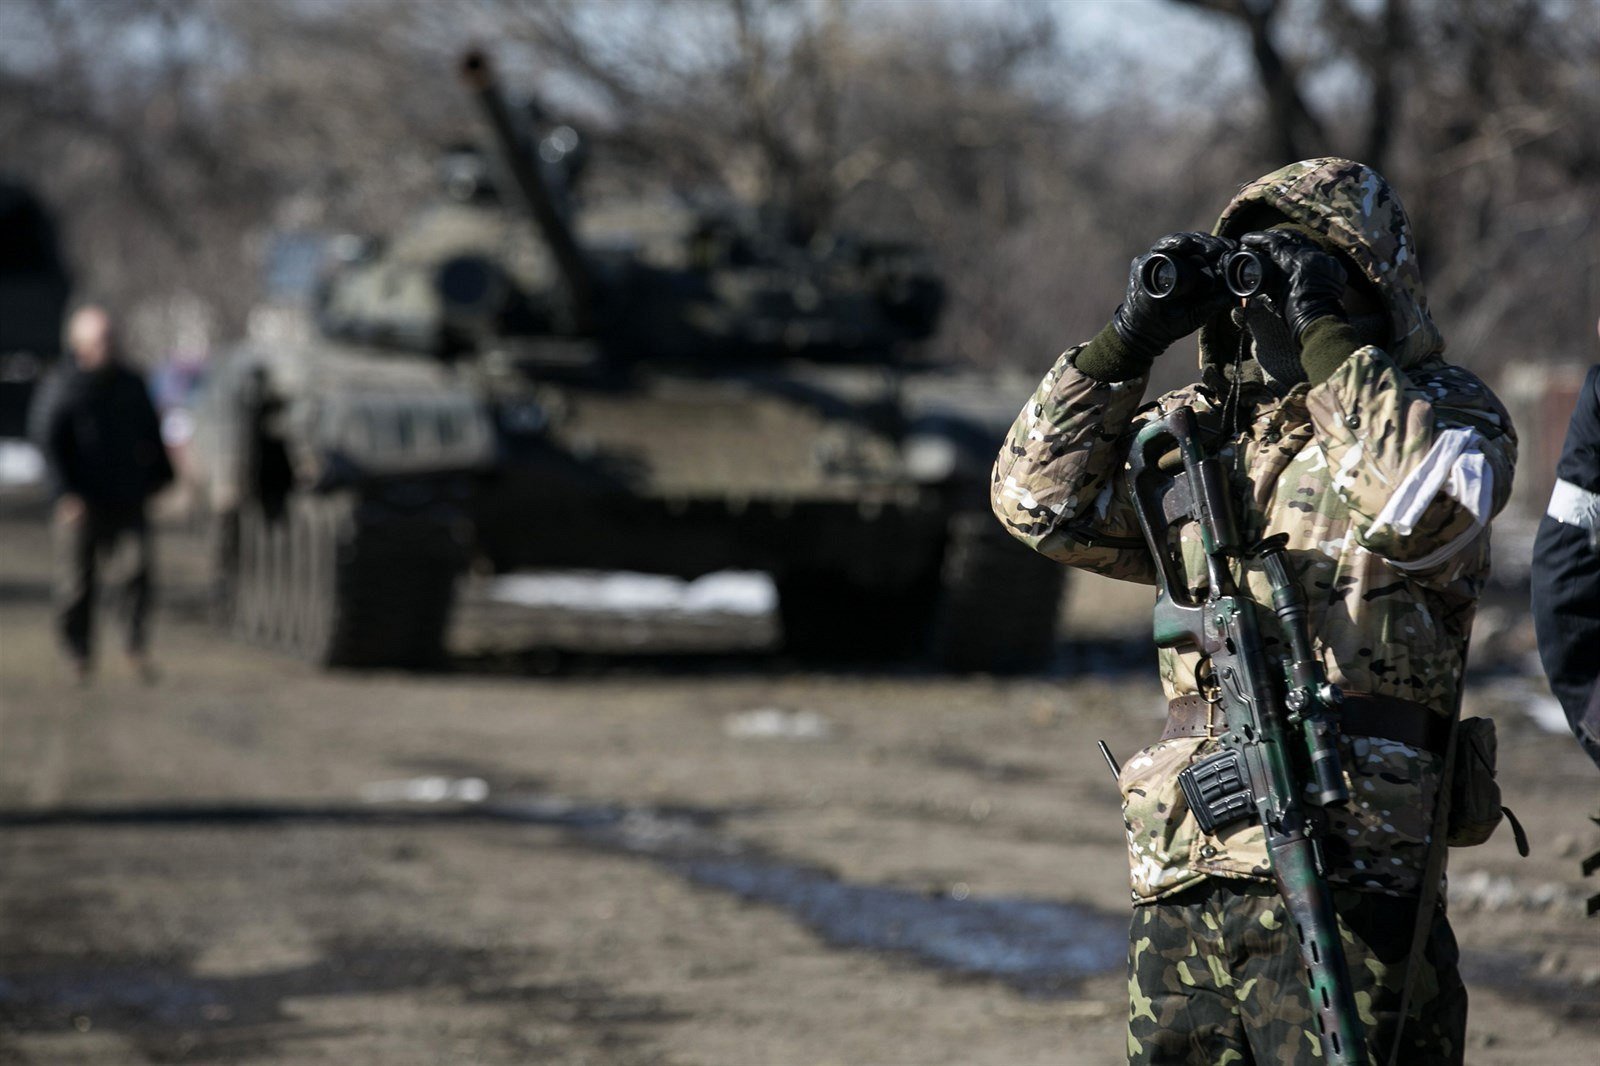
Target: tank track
{"type": "Point", "coordinates": [991, 606]}
{"type": "Point", "coordinates": [998, 601]}
{"type": "Point", "coordinates": [337, 580]}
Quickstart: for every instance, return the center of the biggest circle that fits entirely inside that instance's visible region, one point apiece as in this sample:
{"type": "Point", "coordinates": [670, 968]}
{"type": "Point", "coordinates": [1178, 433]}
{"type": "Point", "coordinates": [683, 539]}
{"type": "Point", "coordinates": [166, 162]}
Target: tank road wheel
{"type": "Point", "coordinates": [293, 578]}
{"type": "Point", "coordinates": [234, 572]}
{"type": "Point", "coordinates": [258, 623]}
{"type": "Point", "coordinates": [277, 592]}
{"type": "Point", "coordinates": [248, 605]}
{"type": "Point", "coordinates": [298, 585]}
{"type": "Point", "coordinates": [222, 547]}
{"type": "Point", "coordinates": [317, 536]}
{"type": "Point", "coordinates": [339, 581]}
{"type": "Point", "coordinates": [999, 602]}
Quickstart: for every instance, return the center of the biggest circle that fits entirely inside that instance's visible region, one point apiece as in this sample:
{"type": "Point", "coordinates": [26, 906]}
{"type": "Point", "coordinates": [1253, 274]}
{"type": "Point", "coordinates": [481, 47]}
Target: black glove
{"type": "Point", "coordinates": [1315, 280]}
{"type": "Point", "coordinates": [1149, 326]}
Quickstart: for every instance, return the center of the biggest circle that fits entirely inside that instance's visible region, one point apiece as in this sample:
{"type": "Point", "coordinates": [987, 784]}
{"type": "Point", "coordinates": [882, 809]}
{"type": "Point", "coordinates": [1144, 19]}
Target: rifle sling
{"type": "Point", "coordinates": [1432, 872]}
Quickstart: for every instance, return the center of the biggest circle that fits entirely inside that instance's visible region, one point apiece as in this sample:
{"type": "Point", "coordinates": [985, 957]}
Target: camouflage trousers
{"type": "Point", "coordinates": [1214, 977]}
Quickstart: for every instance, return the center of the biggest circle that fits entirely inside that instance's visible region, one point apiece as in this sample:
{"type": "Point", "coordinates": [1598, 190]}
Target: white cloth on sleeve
{"type": "Point", "coordinates": [1456, 466]}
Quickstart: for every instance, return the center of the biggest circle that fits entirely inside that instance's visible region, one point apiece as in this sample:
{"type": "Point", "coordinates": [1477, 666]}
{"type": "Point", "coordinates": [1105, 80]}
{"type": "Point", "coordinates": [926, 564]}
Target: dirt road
{"type": "Point", "coordinates": [631, 859]}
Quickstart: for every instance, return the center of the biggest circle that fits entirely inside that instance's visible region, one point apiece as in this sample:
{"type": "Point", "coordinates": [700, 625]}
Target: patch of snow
{"type": "Point", "coordinates": [427, 790]}
{"type": "Point", "coordinates": [1547, 714]}
{"type": "Point", "coordinates": [725, 592]}
{"type": "Point", "coordinates": [20, 464]}
{"type": "Point", "coordinates": [765, 723]}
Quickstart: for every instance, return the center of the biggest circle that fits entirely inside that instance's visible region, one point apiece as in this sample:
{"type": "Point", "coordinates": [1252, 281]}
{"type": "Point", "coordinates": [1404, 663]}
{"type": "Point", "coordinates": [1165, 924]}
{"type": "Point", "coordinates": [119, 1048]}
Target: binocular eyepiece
{"type": "Point", "coordinates": [1245, 273]}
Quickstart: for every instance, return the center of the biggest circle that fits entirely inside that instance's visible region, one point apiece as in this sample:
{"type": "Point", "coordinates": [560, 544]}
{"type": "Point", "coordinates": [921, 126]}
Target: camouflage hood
{"type": "Point", "coordinates": [1351, 205]}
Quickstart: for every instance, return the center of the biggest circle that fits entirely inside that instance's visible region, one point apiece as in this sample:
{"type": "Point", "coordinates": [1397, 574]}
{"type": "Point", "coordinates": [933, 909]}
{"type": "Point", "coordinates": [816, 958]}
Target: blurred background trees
{"type": "Point", "coordinates": [1033, 147]}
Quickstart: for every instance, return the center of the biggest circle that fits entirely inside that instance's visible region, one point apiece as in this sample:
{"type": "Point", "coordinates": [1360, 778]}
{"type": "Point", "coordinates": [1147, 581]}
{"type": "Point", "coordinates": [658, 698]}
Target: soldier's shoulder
{"type": "Point", "coordinates": [1447, 379]}
{"type": "Point", "coordinates": [1449, 387]}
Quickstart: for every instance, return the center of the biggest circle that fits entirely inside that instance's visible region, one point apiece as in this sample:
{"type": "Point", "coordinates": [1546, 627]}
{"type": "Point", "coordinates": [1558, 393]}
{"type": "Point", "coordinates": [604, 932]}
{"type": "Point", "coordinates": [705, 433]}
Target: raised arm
{"type": "Point", "coordinates": [1059, 484]}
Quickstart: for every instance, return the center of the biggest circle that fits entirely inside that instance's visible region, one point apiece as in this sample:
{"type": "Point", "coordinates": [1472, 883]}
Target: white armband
{"type": "Point", "coordinates": [1574, 506]}
{"type": "Point", "coordinates": [1455, 466]}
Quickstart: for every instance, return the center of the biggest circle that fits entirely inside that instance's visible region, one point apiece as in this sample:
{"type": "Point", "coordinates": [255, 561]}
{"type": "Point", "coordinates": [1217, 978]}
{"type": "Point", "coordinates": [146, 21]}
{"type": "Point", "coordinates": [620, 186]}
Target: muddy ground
{"type": "Point", "coordinates": [610, 859]}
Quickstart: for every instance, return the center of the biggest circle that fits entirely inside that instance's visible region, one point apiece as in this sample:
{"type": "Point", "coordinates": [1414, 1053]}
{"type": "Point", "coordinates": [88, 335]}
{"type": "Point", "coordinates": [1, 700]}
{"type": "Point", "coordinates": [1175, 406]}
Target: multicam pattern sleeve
{"type": "Point", "coordinates": [1424, 459]}
{"type": "Point", "coordinates": [1059, 484]}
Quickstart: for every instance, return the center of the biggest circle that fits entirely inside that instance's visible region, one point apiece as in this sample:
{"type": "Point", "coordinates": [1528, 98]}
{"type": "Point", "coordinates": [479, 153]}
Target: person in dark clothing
{"type": "Point", "coordinates": [1566, 584]}
{"type": "Point", "coordinates": [1566, 573]}
{"type": "Point", "coordinates": [101, 437]}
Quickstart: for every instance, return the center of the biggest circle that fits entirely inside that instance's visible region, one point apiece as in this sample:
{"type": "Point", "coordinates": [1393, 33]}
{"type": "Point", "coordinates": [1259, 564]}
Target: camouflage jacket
{"type": "Point", "coordinates": [1384, 477]}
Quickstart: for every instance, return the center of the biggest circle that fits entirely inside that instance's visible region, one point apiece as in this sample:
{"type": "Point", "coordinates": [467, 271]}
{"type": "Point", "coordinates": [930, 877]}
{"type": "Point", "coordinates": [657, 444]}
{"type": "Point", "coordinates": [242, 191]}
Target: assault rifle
{"type": "Point", "coordinates": [1278, 720]}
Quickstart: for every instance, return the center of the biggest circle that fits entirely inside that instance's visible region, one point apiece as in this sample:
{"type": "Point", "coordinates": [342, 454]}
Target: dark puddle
{"type": "Point", "coordinates": [1040, 947]}
{"type": "Point", "coordinates": [172, 1014]}
{"type": "Point", "coordinates": [1036, 946]}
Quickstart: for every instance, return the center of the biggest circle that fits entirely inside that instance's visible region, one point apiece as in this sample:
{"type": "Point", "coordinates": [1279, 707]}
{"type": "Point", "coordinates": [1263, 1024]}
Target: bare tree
{"type": "Point", "coordinates": [173, 136]}
{"type": "Point", "coordinates": [1475, 109]}
{"type": "Point", "coordinates": [1292, 129]}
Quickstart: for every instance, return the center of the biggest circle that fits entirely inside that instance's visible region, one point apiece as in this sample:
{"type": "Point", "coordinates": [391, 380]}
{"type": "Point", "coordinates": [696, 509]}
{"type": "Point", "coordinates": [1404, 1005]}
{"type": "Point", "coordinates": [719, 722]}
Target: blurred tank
{"type": "Point", "coordinates": [521, 380]}
{"type": "Point", "coordinates": [33, 295]}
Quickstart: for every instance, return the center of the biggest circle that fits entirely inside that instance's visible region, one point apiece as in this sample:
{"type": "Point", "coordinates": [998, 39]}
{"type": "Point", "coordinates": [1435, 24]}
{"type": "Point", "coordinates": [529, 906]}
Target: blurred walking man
{"type": "Point", "coordinates": [1341, 427]}
{"type": "Point", "coordinates": [101, 437]}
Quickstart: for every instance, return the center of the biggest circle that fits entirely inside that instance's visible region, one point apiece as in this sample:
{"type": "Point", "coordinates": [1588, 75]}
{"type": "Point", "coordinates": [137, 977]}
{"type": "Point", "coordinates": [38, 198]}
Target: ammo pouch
{"type": "Point", "coordinates": [1475, 809]}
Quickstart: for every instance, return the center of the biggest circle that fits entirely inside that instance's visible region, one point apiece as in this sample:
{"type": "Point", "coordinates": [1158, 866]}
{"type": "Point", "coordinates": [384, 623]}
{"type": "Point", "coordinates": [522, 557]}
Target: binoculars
{"type": "Point", "coordinates": [1244, 272]}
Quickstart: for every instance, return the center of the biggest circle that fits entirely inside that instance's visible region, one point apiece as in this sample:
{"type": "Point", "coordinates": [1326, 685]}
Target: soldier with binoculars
{"type": "Point", "coordinates": [1359, 466]}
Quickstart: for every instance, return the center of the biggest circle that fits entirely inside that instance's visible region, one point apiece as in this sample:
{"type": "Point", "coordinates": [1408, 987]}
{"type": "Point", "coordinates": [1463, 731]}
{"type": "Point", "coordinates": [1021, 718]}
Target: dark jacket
{"type": "Point", "coordinates": [1566, 579]}
{"type": "Point", "coordinates": [100, 435]}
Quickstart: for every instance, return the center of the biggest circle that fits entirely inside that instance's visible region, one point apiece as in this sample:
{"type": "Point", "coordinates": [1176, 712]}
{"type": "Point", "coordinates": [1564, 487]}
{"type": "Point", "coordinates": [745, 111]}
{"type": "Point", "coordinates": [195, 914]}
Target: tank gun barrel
{"type": "Point", "coordinates": [477, 72]}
